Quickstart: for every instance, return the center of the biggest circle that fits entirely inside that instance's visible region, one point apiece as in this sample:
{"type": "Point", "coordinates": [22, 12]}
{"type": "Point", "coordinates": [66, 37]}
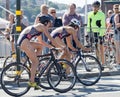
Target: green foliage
{"type": "Point", "coordinates": [31, 12]}
{"type": "Point", "coordinates": [57, 6]}
{"type": "Point", "coordinates": [31, 9]}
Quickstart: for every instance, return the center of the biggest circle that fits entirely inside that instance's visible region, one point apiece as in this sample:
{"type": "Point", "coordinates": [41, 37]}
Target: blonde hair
{"type": "Point", "coordinates": [43, 7]}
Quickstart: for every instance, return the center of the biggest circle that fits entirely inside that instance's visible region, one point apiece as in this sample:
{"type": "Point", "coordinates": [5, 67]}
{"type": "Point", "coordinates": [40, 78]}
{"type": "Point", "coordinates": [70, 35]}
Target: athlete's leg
{"type": "Point", "coordinates": [96, 45]}
{"type": "Point", "coordinates": [30, 52]}
{"type": "Point", "coordinates": [38, 47]}
{"type": "Point", "coordinates": [65, 53]}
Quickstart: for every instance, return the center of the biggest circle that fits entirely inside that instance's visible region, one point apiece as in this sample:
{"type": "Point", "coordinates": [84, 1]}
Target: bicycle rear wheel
{"type": "Point", "coordinates": [59, 76]}
{"type": "Point", "coordinates": [17, 85]}
{"type": "Point", "coordinates": [9, 60]}
{"type": "Point", "coordinates": [89, 70]}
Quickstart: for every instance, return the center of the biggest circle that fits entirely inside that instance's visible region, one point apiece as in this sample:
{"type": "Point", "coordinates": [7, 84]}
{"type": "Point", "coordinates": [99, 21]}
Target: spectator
{"type": "Point", "coordinates": [44, 11]}
{"type": "Point", "coordinates": [8, 29]}
{"type": "Point", "coordinates": [96, 26]}
{"type": "Point", "coordinates": [11, 18]}
{"type": "Point", "coordinates": [13, 29]}
{"type": "Point", "coordinates": [109, 14]}
{"type": "Point", "coordinates": [109, 35]}
{"type": "Point", "coordinates": [117, 37]}
{"type": "Point", "coordinates": [67, 17]}
{"type": "Point", "coordinates": [13, 32]}
{"type": "Point", "coordinates": [112, 23]}
{"type": "Point", "coordinates": [58, 21]}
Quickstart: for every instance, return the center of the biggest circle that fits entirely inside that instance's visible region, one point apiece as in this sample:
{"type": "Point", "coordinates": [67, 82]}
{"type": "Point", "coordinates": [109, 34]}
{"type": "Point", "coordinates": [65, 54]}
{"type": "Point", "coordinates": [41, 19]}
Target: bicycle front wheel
{"type": "Point", "coordinates": [61, 76]}
{"type": "Point", "coordinates": [17, 85]}
{"type": "Point", "coordinates": [88, 70]}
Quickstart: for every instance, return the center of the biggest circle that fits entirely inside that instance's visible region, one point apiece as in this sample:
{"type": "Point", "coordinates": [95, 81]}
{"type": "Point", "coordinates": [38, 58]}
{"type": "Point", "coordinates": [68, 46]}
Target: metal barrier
{"type": "Point", "coordinates": [5, 47]}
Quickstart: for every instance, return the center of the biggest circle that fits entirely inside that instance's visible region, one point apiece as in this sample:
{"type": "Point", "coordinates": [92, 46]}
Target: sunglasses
{"type": "Point", "coordinates": [53, 12]}
{"type": "Point", "coordinates": [110, 12]}
{"type": "Point", "coordinates": [116, 8]}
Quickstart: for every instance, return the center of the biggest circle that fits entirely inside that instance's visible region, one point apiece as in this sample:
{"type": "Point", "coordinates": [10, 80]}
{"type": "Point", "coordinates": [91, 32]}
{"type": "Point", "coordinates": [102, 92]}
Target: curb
{"type": "Point", "coordinates": [110, 73]}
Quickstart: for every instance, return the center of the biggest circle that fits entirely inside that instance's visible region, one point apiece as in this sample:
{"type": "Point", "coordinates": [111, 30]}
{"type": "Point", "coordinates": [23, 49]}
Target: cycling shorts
{"type": "Point", "coordinates": [96, 38]}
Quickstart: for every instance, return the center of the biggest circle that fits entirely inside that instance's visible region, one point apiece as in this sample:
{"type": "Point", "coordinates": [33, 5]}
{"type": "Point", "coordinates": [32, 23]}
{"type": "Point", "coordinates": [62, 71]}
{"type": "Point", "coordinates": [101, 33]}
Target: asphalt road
{"type": "Point", "coordinates": [108, 86]}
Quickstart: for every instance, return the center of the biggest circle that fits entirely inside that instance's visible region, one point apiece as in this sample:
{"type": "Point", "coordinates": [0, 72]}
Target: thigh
{"type": "Point", "coordinates": [59, 41]}
{"type": "Point", "coordinates": [29, 50]}
{"type": "Point", "coordinates": [36, 45]}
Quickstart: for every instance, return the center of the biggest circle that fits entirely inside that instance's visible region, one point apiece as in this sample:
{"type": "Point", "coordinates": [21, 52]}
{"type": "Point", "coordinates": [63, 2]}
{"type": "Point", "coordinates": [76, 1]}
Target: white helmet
{"type": "Point", "coordinates": [75, 22]}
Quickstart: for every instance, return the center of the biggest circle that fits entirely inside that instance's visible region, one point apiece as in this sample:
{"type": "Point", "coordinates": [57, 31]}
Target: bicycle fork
{"type": "Point", "coordinates": [85, 65]}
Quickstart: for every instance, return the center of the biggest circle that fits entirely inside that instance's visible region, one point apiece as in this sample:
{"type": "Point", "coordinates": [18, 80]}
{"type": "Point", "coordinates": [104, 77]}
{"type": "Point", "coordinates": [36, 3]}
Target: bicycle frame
{"type": "Point", "coordinates": [79, 57]}
{"type": "Point", "coordinates": [52, 59]}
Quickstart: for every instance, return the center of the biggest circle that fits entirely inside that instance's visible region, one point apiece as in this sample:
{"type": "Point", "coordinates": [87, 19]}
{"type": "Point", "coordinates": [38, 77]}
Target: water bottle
{"type": "Point", "coordinates": [23, 57]}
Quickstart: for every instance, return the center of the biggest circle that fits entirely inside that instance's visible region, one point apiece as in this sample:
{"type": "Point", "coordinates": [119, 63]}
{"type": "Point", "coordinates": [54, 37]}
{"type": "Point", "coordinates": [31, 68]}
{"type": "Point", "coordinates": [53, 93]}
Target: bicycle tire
{"type": "Point", "coordinates": [92, 74]}
{"type": "Point", "coordinates": [18, 85]}
{"type": "Point", "coordinates": [8, 60]}
{"type": "Point", "coordinates": [59, 80]}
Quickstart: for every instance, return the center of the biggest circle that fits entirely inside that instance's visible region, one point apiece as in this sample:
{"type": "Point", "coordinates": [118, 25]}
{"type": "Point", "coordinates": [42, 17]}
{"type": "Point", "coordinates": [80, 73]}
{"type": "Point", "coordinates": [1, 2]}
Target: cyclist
{"type": "Point", "coordinates": [96, 27]}
{"type": "Point", "coordinates": [34, 48]}
{"type": "Point", "coordinates": [68, 32]}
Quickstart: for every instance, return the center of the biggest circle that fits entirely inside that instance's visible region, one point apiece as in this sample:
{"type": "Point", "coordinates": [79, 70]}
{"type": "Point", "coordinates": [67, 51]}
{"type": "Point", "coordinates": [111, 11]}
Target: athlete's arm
{"type": "Point", "coordinates": [116, 19]}
{"type": "Point", "coordinates": [69, 44]}
{"type": "Point", "coordinates": [43, 43]}
{"type": "Point", "coordinates": [50, 38]}
{"type": "Point", "coordinates": [79, 45]}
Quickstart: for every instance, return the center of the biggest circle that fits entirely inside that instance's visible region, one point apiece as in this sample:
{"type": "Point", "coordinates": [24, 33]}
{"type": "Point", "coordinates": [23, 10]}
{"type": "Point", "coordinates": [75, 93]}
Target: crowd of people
{"type": "Point", "coordinates": [64, 33]}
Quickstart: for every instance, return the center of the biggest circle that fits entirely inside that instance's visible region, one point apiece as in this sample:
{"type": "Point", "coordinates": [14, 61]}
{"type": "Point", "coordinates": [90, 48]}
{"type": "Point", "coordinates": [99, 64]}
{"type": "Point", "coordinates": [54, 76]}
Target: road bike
{"type": "Point", "coordinates": [17, 85]}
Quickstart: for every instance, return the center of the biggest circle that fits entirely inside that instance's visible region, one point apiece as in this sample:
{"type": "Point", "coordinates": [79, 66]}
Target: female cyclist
{"type": "Point", "coordinates": [34, 48]}
{"type": "Point", "coordinates": [68, 32]}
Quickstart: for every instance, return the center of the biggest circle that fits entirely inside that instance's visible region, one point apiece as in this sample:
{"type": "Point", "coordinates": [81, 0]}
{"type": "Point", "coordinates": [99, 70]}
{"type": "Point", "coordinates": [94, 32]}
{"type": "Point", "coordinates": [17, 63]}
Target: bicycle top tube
{"type": "Point", "coordinates": [51, 54]}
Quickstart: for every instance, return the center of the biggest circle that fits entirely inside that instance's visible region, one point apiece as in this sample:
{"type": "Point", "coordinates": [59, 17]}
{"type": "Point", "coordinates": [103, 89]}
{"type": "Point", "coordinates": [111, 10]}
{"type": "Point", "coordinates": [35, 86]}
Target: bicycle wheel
{"type": "Point", "coordinates": [12, 58]}
{"type": "Point", "coordinates": [59, 76]}
{"type": "Point", "coordinates": [88, 70]}
{"type": "Point", "coordinates": [43, 82]}
{"type": "Point", "coordinates": [9, 60]}
{"type": "Point", "coordinates": [17, 85]}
